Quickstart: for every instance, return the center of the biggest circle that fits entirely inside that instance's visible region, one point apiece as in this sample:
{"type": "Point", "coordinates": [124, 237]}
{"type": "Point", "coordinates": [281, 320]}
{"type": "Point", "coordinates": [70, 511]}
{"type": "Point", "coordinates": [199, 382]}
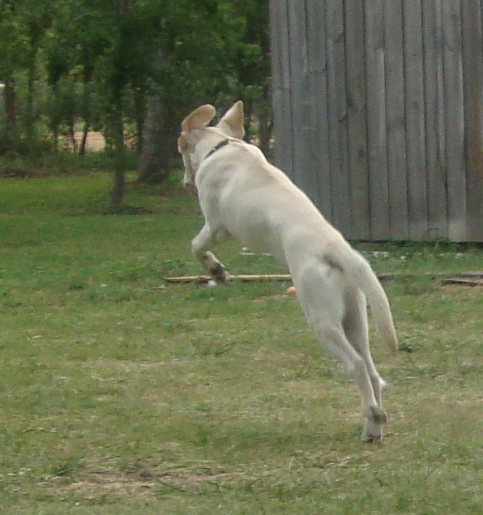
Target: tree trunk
{"type": "Point", "coordinates": [154, 159]}
{"type": "Point", "coordinates": [248, 107]}
{"type": "Point", "coordinates": [116, 120]}
{"type": "Point", "coordinates": [119, 186]}
{"type": "Point", "coordinates": [265, 122]}
{"type": "Point", "coordinates": [29, 107]}
{"type": "Point", "coordinates": [86, 111]}
{"type": "Point", "coordinates": [85, 133]}
{"type": "Point", "coordinates": [54, 115]}
{"type": "Point", "coordinates": [139, 108]}
{"type": "Point", "coordinates": [10, 99]}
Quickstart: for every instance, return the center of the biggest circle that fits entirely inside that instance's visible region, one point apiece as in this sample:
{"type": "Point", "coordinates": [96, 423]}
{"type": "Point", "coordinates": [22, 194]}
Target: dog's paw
{"type": "Point", "coordinates": [372, 432]}
{"type": "Point", "coordinates": [218, 273]}
{"type": "Point", "coordinates": [379, 416]}
{"type": "Point", "coordinates": [373, 439]}
{"type": "Point", "coordinates": [375, 419]}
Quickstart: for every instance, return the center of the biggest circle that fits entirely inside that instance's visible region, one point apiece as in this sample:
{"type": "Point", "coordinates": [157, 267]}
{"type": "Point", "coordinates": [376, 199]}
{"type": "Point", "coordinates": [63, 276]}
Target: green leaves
{"type": "Point", "coordinates": [85, 63]}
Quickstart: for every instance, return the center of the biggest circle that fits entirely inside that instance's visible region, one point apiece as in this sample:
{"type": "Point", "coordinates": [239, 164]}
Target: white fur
{"type": "Point", "coordinates": [243, 196]}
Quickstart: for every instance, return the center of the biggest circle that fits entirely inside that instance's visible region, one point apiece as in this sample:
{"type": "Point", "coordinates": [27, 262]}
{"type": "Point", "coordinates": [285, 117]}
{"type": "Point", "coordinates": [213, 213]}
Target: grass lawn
{"type": "Point", "coordinates": [121, 394]}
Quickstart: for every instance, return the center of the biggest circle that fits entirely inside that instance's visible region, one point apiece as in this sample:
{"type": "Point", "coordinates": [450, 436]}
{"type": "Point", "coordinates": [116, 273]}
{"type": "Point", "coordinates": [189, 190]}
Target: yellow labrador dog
{"type": "Point", "coordinates": [243, 196]}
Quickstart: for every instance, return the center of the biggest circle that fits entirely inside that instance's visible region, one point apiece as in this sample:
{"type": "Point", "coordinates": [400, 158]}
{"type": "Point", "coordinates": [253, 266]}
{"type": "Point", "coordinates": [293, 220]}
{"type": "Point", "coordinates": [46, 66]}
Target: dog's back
{"type": "Point", "coordinates": [259, 205]}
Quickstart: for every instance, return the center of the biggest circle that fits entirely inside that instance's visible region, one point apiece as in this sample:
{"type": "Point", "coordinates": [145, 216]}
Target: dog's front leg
{"type": "Point", "coordinates": [203, 241]}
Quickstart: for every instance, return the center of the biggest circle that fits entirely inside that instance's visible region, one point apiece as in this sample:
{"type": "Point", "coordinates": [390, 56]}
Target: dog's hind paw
{"type": "Point", "coordinates": [379, 416]}
{"type": "Point", "coordinates": [372, 438]}
{"type": "Point", "coordinates": [373, 425]}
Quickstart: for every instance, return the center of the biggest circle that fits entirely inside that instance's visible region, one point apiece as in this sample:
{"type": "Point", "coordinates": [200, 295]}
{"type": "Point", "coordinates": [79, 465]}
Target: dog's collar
{"type": "Point", "coordinates": [219, 145]}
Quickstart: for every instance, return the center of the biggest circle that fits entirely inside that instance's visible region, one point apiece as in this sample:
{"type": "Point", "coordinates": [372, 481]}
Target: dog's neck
{"type": "Point", "coordinates": [219, 145]}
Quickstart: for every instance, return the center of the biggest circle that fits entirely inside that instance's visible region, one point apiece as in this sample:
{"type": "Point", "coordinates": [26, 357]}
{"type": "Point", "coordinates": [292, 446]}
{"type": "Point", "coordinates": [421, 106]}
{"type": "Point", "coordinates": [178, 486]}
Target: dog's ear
{"type": "Point", "coordinates": [232, 123]}
{"type": "Point", "coordinates": [198, 118]}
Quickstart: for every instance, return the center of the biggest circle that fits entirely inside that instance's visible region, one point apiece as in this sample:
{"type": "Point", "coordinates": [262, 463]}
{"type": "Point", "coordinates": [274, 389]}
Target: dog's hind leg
{"type": "Point", "coordinates": [324, 306]}
{"type": "Point", "coordinates": [356, 331]}
{"type": "Point", "coordinates": [334, 340]}
{"type": "Point", "coordinates": [200, 246]}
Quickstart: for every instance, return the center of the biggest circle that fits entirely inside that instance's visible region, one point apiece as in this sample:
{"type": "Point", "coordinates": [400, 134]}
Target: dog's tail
{"type": "Point", "coordinates": [361, 273]}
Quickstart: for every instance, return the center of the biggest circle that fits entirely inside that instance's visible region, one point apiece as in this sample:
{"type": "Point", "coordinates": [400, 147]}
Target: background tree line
{"type": "Point", "coordinates": [130, 69]}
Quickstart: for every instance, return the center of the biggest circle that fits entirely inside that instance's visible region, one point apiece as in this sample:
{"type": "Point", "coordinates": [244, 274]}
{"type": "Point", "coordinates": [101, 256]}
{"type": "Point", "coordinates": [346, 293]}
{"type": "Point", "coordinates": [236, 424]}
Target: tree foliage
{"type": "Point", "coordinates": [95, 64]}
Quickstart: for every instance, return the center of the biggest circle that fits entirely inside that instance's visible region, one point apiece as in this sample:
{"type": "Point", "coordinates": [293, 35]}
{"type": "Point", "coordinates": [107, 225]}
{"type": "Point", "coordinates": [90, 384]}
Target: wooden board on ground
{"type": "Point", "coordinates": [239, 277]}
{"type": "Point", "coordinates": [473, 283]}
{"type": "Point", "coordinates": [463, 279]}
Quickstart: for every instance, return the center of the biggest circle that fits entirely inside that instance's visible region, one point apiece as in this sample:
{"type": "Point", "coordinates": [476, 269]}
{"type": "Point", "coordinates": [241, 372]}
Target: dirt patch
{"type": "Point", "coordinates": [95, 141]}
{"type": "Point", "coordinates": [98, 487]}
{"type": "Point", "coordinates": [145, 483]}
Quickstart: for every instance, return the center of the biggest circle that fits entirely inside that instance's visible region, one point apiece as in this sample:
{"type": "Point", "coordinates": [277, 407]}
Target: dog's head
{"type": "Point", "coordinates": [196, 140]}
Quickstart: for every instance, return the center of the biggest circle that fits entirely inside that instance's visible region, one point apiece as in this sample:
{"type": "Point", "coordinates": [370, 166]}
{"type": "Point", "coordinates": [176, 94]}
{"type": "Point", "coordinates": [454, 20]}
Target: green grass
{"type": "Point", "coordinates": [121, 394]}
